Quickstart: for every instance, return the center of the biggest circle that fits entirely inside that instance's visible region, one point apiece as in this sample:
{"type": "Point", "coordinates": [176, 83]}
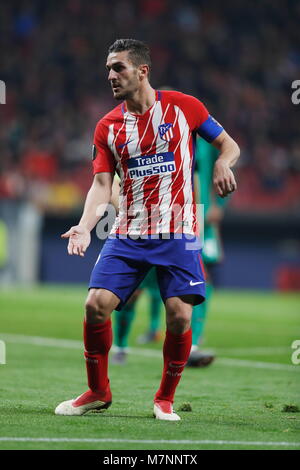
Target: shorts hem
{"type": "Point", "coordinates": [200, 298]}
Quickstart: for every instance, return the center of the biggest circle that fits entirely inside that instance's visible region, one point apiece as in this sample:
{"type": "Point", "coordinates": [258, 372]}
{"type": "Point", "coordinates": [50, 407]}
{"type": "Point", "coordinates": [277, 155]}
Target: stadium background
{"type": "Point", "coordinates": [240, 60]}
{"type": "Point", "coordinates": [232, 56]}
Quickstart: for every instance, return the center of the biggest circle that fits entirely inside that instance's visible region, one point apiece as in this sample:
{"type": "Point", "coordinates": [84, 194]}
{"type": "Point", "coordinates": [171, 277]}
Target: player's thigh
{"type": "Point", "coordinates": [119, 269]}
{"type": "Point", "coordinates": [181, 272]}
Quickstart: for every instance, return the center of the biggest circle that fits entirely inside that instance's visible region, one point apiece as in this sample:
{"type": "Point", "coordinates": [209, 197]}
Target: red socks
{"type": "Point", "coordinates": [176, 352]}
{"type": "Point", "coordinates": [97, 343]}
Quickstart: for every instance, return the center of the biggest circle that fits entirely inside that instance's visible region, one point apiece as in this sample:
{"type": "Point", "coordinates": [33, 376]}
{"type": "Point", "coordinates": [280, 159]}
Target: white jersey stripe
{"type": "Point", "coordinates": [120, 130]}
{"type": "Point", "coordinates": [131, 125]}
{"type": "Point", "coordinates": [161, 145]}
{"type": "Point", "coordinates": [165, 197]}
{"type": "Point", "coordinates": [183, 173]}
{"type": "Point", "coordinates": [138, 204]}
{"type": "Point", "coordinates": [177, 172]}
{"type": "Point", "coordinates": [152, 112]}
{"type": "Point", "coordinates": [187, 176]}
{"type": "Point", "coordinates": [132, 136]}
{"type": "Point", "coordinates": [155, 121]}
{"type": "Point", "coordinates": [111, 141]}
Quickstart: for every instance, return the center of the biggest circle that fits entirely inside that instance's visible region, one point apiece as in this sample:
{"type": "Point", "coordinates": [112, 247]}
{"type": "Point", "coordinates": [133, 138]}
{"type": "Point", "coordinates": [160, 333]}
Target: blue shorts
{"type": "Point", "coordinates": [123, 264]}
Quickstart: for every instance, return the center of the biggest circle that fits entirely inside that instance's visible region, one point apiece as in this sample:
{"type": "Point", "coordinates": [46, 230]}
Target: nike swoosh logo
{"type": "Point", "coordinates": [126, 143]}
{"type": "Point", "coordinates": [195, 283]}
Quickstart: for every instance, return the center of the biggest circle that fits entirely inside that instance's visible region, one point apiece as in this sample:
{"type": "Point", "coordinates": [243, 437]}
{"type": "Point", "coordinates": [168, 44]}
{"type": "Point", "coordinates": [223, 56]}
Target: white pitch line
{"type": "Point", "coordinates": [42, 341]}
{"type": "Point", "coordinates": [148, 441]}
{"type": "Point", "coordinates": [255, 351]}
{"type": "Point", "coordinates": [227, 361]}
{"type": "Point", "coordinates": [74, 344]}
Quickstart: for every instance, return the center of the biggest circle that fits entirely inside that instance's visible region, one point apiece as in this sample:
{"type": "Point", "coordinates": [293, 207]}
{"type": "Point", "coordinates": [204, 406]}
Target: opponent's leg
{"type": "Point", "coordinates": [176, 350]}
{"type": "Point", "coordinates": [153, 334]}
{"type": "Point", "coordinates": [211, 254]}
{"type": "Point", "coordinates": [198, 358]}
{"type": "Point", "coordinates": [97, 343]}
{"type": "Point", "coordinates": [123, 322]}
{"type": "Point", "coordinates": [155, 309]}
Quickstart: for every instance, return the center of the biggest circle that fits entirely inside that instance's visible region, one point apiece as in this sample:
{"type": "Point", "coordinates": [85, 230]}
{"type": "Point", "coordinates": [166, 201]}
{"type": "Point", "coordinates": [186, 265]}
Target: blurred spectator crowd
{"type": "Point", "coordinates": [239, 58]}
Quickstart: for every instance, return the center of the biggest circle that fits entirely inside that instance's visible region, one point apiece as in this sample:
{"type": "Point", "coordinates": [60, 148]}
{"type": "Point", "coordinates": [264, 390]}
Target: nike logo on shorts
{"type": "Point", "coordinates": [195, 283]}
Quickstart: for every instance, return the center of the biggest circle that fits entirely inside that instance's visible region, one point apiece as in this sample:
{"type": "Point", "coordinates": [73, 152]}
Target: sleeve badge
{"type": "Point", "coordinates": [94, 152]}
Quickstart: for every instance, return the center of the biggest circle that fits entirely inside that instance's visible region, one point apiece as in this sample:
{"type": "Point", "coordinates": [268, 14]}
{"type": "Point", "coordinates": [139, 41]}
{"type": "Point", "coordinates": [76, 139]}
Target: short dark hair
{"type": "Point", "coordinates": [138, 51]}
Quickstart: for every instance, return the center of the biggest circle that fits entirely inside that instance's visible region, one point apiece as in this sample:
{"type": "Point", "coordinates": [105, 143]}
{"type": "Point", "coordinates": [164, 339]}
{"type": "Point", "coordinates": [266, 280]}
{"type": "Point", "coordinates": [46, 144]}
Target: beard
{"type": "Point", "coordinates": [126, 93]}
{"type": "Point", "coordinates": [121, 95]}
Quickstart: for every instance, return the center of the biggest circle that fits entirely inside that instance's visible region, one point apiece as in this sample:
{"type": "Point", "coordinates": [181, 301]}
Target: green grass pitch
{"type": "Point", "coordinates": [236, 403]}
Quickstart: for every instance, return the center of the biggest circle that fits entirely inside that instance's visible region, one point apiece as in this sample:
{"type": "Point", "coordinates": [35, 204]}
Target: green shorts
{"type": "Point", "coordinates": [150, 281]}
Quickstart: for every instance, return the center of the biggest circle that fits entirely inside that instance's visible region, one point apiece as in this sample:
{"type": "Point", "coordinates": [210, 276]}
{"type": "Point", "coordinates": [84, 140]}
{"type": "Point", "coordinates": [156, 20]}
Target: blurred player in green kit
{"type": "Point", "coordinates": [212, 254]}
{"type": "Point", "coordinates": [124, 317]}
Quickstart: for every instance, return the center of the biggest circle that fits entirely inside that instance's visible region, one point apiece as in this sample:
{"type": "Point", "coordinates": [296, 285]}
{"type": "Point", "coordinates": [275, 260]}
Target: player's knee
{"type": "Point", "coordinates": [95, 311]}
{"type": "Point", "coordinates": [178, 323]}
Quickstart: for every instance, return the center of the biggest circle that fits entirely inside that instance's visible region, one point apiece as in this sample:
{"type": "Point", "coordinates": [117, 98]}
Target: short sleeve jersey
{"type": "Point", "coordinates": [153, 154]}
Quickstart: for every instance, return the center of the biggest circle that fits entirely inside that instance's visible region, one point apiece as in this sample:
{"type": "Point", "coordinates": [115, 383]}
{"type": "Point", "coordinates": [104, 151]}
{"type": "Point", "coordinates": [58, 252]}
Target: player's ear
{"type": "Point", "coordinates": [143, 71]}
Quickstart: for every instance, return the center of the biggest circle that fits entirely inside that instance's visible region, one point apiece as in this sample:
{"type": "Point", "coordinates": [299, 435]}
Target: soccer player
{"type": "Point", "coordinates": [148, 139]}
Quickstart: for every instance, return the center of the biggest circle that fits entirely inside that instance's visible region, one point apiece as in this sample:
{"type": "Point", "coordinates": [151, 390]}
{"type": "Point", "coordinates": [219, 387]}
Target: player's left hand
{"type": "Point", "coordinates": [223, 179]}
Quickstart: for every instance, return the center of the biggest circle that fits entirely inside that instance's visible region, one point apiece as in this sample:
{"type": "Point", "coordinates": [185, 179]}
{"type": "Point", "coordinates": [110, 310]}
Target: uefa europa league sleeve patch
{"type": "Point", "coordinates": [94, 152]}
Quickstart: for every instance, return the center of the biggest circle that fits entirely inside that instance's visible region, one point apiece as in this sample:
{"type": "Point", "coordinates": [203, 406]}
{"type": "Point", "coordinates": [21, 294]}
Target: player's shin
{"type": "Point", "coordinates": [176, 352]}
{"type": "Point", "coordinates": [97, 343]}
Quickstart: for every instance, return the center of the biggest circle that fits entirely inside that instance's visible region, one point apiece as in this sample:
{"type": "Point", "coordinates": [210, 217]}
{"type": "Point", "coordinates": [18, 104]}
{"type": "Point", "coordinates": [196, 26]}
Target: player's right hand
{"type": "Point", "coordinates": [79, 240]}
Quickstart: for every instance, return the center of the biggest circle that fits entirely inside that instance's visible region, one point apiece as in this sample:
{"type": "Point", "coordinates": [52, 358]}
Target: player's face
{"type": "Point", "coordinates": [123, 75]}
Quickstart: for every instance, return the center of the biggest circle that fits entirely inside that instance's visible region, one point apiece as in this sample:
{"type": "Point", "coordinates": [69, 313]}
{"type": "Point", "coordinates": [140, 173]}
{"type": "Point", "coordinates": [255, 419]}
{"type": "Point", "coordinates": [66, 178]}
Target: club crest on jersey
{"type": "Point", "coordinates": [166, 131]}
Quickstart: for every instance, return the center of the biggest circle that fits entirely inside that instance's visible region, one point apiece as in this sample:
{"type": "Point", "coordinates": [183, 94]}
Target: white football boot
{"type": "Point", "coordinates": [86, 402]}
{"type": "Point", "coordinates": [163, 410]}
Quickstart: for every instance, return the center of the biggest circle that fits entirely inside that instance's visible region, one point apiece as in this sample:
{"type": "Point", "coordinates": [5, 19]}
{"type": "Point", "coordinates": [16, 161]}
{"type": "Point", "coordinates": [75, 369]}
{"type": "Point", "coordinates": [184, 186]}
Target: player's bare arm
{"type": "Point", "coordinates": [97, 199]}
{"type": "Point", "coordinates": [115, 193]}
{"type": "Point", "coordinates": [223, 178]}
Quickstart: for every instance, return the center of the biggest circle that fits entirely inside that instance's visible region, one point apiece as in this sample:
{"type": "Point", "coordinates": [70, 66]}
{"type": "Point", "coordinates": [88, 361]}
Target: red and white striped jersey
{"type": "Point", "coordinates": [153, 154]}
